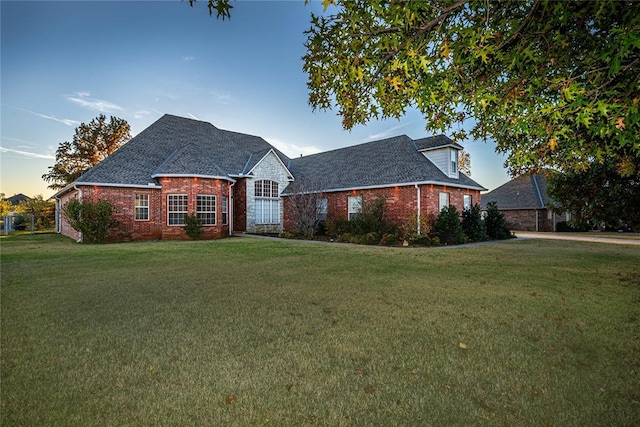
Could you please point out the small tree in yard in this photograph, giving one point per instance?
(93, 219)
(496, 223)
(448, 226)
(472, 224)
(192, 226)
(302, 206)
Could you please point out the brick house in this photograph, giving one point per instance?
(240, 183)
(525, 204)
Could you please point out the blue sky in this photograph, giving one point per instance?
(64, 63)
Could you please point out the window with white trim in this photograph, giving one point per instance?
(267, 202)
(321, 209)
(225, 210)
(142, 207)
(176, 208)
(355, 206)
(466, 201)
(443, 200)
(454, 162)
(206, 208)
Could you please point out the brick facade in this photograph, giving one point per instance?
(192, 187)
(156, 227)
(239, 201)
(401, 202)
(532, 219)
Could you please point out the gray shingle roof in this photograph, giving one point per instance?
(524, 192)
(381, 163)
(180, 146)
(176, 145)
(435, 142)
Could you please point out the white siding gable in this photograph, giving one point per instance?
(441, 157)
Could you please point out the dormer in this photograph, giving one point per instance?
(442, 152)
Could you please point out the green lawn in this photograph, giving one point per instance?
(252, 332)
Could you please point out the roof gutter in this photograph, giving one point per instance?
(404, 184)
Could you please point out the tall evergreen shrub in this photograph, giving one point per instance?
(448, 226)
(496, 223)
(472, 224)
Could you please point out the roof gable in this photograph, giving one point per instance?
(178, 146)
(391, 161)
(524, 192)
(262, 157)
(435, 143)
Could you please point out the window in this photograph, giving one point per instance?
(466, 203)
(444, 200)
(454, 162)
(206, 209)
(225, 207)
(142, 207)
(177, 208)
(321, 209)
(355, 207)
(267, 202)
(266, 188)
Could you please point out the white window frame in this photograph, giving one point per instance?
(225, 210)
(443, 200)
(354, 207)
(206, 208)
(454, 162)
(267, 202)
(179, 201)
(141, 210)
(467, 201)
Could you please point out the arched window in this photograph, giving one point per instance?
(267, 202)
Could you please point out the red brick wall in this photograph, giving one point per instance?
(156, 227)
(401, 202)
(525, 220)
(124, 200)
(192, 187)
(240, 206)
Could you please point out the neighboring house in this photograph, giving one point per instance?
(240, 183)
(17, 198)
(525, 204)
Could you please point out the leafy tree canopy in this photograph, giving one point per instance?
(553, 83)
(598, 195)
(91, 144)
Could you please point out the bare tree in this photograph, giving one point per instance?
(306, 205)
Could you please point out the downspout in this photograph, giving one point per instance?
(419, 207)
(230, 208)
(58, 216)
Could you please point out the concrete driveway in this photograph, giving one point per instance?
(616, 239)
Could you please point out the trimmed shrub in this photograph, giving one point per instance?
(192, 226)
(472, 224)
(388, 239)
(93, 219)
(448, 226)
(572, 227)
(420, 239)
(367, 228)
(496, 223)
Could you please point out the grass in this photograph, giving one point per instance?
(252, 332)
